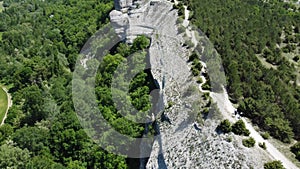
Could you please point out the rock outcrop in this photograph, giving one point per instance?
(120, 22)
(121, 4)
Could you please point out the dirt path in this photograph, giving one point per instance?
(227, 109)
(9, 104)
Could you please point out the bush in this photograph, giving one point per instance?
(199, 80)
(197, 64)
(189, 43)
(296, 150)
(239, 128)
(181, 29)
(224, 126)
(179, 20)
(250, 142)
(181, 10)
(265, 135)
(273, 165)
(229, 139)
(140, 43)
(193, 56)
(195, 71)
(206, 85)
(263, 145)
(170, 104)
(296, 58)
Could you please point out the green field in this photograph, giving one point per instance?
(3, 103)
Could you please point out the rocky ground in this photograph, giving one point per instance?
(186, 141)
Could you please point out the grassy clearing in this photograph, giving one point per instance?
(3, 103)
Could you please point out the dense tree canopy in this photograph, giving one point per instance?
(138, 87)
(250, 35)
(40, 42)
(39, 45)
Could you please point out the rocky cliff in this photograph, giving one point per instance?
(185, 140)
(121, 4)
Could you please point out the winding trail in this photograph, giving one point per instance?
(227, 109)
(9, 104)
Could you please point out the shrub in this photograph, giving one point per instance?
(193, 56)
(229, 139)
(273, 165)
(224, 126)
(181, 10)
(296, 58)
(296, 150)
(196, 68)
(181, 29)
(196, 63)
(189, 43)
(265, 135)
(179, 20)
(206, 85)
(195, 71)
(263, 145)
(199, 80)
(205, 112)
(140, 43)
(250, 142)
(170, 104)
(239, 128)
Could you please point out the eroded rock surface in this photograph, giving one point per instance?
(185, 141)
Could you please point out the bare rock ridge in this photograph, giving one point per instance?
(182, 142)
(121, 4)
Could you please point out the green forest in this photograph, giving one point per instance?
(244, 31)
(40, 42)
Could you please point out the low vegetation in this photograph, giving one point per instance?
(224, 126)
(194, 58)
(265, 135)
(270, 97)
(180, 8)
(262, 145)
(273, 165)
(239, 128)
(250, 142)
(1, 6)
(296, 150)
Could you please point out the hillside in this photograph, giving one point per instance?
(150, 84)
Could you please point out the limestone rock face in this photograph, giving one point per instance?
(120, 22)
(142, 21)
(120, 4)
